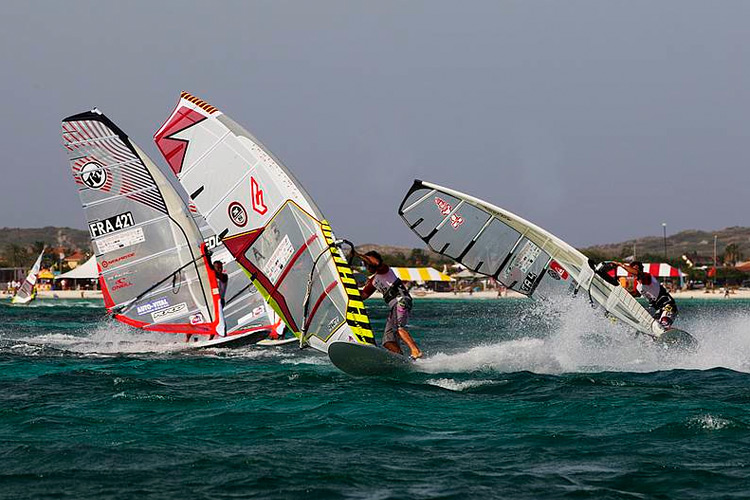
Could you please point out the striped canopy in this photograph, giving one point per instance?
(659, 270)
(420, 274)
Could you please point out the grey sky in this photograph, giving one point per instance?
(597, 120)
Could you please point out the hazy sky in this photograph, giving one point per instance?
(598, 120)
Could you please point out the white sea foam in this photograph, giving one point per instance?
(570, 336)
(458, 385)
(710, 422)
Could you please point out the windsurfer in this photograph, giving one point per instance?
(222, 278)
(397, 297)
(658, 297)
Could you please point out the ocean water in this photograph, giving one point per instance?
(515, 399)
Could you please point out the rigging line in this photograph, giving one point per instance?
(122, 309)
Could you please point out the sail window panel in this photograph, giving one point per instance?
(491, 248)
(525, 267)
(554, 285)
(430, 212)
(285, 253)
(459, 230)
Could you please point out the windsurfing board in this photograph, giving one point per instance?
(277, 342)
(363, 360)
(231, 341)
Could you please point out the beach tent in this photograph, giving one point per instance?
(87, 271)
(420, 274)
(466, 274)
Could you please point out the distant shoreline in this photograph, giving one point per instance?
(483, 295)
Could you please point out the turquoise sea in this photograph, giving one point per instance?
(516, 399)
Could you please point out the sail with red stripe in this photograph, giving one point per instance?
(267, 221)
(153, 267)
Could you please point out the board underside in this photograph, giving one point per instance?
(678, 339)
(364, 360)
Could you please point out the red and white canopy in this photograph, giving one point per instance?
(659, 270)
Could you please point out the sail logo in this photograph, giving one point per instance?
(444, 206)
(93, 175)
(107, 263)
(170, 312)
(557, 271)
(152, 306)
(121, 283)
(237, 214)
(256, 193)
(445, 209)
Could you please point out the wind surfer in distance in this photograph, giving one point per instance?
(658, 297)
(397, 297)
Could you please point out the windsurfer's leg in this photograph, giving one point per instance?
(393, 347)
(409, 341)
(402, 311)
(390, 338)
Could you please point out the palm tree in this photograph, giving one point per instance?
(732, 254)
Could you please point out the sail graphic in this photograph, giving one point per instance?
(153, 269)
(522, 256)
(267, 221)
(244, 307)
(26, 293)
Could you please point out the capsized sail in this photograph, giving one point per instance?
(520, 255)
(244, 307)
(27, 291)
(153, 268)
(267, 221)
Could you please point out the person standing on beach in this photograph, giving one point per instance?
(395, 294)
(654, 292)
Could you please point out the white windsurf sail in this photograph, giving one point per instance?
(27, 291)
(522, 256)
(153, 268)
(267, 221)
(244, 307)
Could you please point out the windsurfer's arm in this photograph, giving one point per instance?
(367, 290)
(629, 269)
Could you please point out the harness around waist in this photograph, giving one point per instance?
(397, 289)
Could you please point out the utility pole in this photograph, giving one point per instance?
(664, 227)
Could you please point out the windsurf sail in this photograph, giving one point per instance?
(27, 291)
(244, 307)
(153, 268)
(522, 256)
(267, 221)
